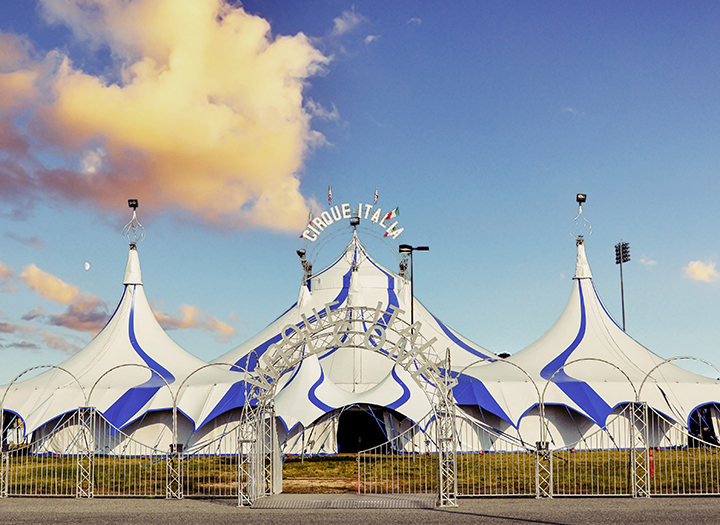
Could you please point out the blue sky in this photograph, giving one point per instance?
(479, 120)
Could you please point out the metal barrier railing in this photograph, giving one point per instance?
(407, 464)
(680, 463)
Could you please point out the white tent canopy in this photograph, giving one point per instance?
(345, 376)
(592, 364)
(130, 368)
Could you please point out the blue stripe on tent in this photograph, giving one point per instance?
(580, 392)
(603, 307)
(455, 339)
(472, 391)
(314, 399)
(249, 361)
(405, 395)
(120, 412)
(234, 398)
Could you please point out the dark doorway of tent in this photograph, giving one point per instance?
(360, 428)
(702, 427)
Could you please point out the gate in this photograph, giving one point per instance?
(371, 329)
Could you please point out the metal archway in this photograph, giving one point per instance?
(330, 329)
(4, 458)
(639, 461)
(173, 462)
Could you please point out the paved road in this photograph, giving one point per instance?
(675, 511)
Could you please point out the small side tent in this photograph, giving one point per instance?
(585, 368)
(129, 373)
(349, 391)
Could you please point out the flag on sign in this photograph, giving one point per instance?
(387, 232)
(310, 218)
(393, 214)
(329, 195)
(376, 196)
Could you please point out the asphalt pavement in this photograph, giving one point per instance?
(675, 511)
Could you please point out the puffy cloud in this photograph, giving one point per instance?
(202, 111)
(415, 21)
(371, 38)
(32, 242)
(22, 345)
(48, 286)
(7, 279)
(85, 314)
(33, 314)
(58, 343)
(700, 271)
(346, 22)
(192, 317)
(646, 261)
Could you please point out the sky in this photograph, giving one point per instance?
(480, 121)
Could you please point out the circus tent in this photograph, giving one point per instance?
(584, 368)
(130, 372)
(331, 381)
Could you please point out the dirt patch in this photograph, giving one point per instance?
(319, 486)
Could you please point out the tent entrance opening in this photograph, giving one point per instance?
(360, 429)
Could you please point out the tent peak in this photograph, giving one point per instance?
(132, 270)
(582, 268)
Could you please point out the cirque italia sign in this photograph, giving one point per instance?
(316, 225)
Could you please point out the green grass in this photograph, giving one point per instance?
(688, 471)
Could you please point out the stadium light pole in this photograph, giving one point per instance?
(622, 255)
(407, 249)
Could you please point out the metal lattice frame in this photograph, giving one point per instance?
(173, 467)
(543, 470)
(344, 327)
(640, 463)
(85, 452)
(447, 443)
(4, 469)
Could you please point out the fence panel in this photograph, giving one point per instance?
(599, 464)
(491, 464)
(680, 463)
(125, 467)
(210, 470)
(45, 466)
(407, 464)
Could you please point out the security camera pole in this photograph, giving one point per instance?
(622, 255)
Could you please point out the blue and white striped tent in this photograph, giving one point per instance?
(592, 366)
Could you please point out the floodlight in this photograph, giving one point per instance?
(354, 221)
(405, 248)
(581, 197)
(133, 203)
(301, 253)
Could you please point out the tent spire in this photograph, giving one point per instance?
(134, 232)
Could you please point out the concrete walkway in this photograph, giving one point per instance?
(347, 501)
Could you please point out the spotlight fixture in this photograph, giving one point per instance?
(133, 203)
(581, 197)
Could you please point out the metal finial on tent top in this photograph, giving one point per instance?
(581, 227)
(133, 232)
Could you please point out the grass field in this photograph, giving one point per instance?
(606, 472)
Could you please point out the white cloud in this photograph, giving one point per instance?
(646, 261)
(372, 38)
(573, 111)
(700, 271)
(414, 21)
(346, 22)
(207, 116)
(317, 110)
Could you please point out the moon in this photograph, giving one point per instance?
(87, 266)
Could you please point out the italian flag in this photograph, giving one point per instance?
(393, 214)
